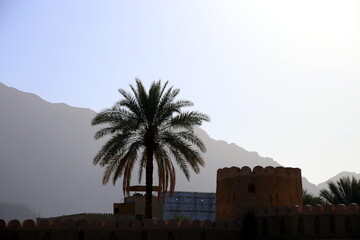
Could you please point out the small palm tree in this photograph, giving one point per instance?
(148, 127)
(344, 191)
(310, 199)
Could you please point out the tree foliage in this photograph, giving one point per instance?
(344, 191)
(147, 127)
(310, 199)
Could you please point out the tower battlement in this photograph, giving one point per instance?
(307, 210)
(232, 172)
(241, 190)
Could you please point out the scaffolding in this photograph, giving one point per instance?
(193, 205)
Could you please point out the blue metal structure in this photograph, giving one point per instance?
(194, 205)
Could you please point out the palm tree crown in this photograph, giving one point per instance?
(310, 199)
(344, 191)
(148, 127)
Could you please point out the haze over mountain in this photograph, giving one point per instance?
(46, 153)
(337, 177)
(9, 211)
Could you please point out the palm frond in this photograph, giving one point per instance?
(344, 191)
(148, 126)
(187, 120)
(115, 146)
(310, 199)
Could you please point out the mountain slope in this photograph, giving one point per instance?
(337, 177)
(46, 153)
(9, 211)
(45, 156)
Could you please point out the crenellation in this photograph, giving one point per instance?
(272, 197)
(233, 172)
(269, 170)
(310, 223)
(318, 209)
(353, 208)
(106, 224)
(307, 210)
(269, 198)
(240, 191)
(295, 210)
(281, 171)
(258, 170)
(276, 222)
(329, 208)
(244, 171)
(28, 224)
(108, 229)
(13, 224)
(339, 209)
(2, 224)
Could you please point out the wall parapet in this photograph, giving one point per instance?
(308, 222)
(101, 228)
(42, 224)
(232, 172)
(339, 209)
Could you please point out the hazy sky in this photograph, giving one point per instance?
(278, 77)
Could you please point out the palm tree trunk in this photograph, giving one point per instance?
(149, 183)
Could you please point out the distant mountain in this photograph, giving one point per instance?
(9, 211)
(337, 177)
(46, 153)
(310, 187)
(315, 189)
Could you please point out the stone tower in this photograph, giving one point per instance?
(240, 190)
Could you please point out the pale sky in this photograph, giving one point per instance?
(281, 78)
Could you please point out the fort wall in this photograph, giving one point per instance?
(308, 222)
(263, 203)
(296, 222)
(240, 190)
(111, 230)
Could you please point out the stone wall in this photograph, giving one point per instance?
(111, 230)
(240, 190)
(308, 222)
(92, 216)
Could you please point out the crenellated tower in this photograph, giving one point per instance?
(239, 190)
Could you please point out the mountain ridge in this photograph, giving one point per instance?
(46, 152)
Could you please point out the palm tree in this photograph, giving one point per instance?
(310, 199)
(344, 191)
(147, 127)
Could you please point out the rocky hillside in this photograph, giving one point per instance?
(46, 153)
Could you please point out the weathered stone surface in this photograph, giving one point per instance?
(239, 190)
